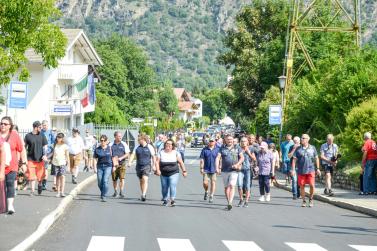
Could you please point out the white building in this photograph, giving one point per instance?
(52, 94)
(188, 106)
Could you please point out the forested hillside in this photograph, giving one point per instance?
(182, 37)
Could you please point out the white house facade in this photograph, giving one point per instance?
(52, 93)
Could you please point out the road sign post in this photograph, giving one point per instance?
(274, 115)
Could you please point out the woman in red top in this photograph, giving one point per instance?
(11, 136)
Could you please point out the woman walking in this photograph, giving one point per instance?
(60, 163)
(167, 168)
(265, 161)
(102, 154)
(11, 137)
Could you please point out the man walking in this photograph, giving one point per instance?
(89, 143)
(244, 176)
(295, 186)
(230, 159)
(36, 148)
(307, 161)
(369, 164)
(329, 152)
(208, 168)
(50, 136)
(145, 162)
(76, 152)
(120, 152)
(284, 151)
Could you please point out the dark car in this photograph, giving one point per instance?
(197, 139)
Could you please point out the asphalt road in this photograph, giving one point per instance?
(194, 224)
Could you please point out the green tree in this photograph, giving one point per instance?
(216, 103)
(168, 101)
(24, 25)
(107, 112)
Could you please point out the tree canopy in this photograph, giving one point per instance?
(24, 25)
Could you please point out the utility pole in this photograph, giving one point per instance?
(301, 13)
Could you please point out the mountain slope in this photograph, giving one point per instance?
(182, 37)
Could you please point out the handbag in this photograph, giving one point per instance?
(3, 200)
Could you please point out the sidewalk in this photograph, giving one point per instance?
(30, 211)
(343, 198)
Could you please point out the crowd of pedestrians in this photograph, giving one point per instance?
(238, 161)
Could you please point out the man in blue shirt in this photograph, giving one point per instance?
(50, 136)
(120, 152)
(208, 167)
(284, 151)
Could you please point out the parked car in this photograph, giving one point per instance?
(197, 139)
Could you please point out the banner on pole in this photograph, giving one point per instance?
(274, 115)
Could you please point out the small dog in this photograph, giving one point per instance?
(21, 180)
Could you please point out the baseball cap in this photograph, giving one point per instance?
(212, 139)
(263, 145)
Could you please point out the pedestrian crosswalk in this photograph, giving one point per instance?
(116, 243)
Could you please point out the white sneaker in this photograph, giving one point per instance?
(262, 199)
(58, 195)
(268, 197)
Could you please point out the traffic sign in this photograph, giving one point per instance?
(18, 95)
(155, 122)
(274, 115)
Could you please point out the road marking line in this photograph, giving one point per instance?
(175, 244)
(363, 248)
(305, 246)
(112, 243)
(242, 246)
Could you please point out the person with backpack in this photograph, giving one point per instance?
(60, 162)
(145, 162)
(11, 140)
(369, 165)
(103, 155)
(329, 153)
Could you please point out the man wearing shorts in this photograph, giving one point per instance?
(306, 159)
(208, 168)
(329, 152)
(89, 142)
(120, 152)
(76, 148)
(231, 158)
(145, 161)
(36, 147)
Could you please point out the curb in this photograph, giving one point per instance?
(341, 204)
(47, 221)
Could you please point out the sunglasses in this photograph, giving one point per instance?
(103, 140)
(304, 138)
(5, 124)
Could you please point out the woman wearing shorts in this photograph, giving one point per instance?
(60, 163)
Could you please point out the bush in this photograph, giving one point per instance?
(360, 119)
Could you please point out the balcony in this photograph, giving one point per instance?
(66, 72)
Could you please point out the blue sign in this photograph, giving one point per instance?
(18, 95)
(274, 115)
(62, 108)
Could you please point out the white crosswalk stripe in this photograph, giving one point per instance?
(305, 246)
(100, 243)
(242, 246)
(167, 244)
(364, 248)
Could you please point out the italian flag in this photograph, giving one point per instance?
(82, 89)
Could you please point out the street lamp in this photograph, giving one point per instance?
(282, 81)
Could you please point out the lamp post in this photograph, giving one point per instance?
(282, 81)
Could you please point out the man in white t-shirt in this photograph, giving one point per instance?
(88, 157)
(76, 151)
